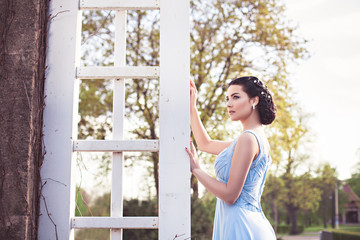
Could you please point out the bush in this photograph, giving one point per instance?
(300, 229)
(287, 228)
(339, 235)
(283, 229)
(345, 235)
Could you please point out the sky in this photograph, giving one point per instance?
(328, 84)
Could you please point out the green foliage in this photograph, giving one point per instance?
(326, 182)
(270, 199)
(350, 228)
(82, 201)
(285, 229)
(134, 207)
(100, 207)
(299, 192)
(95, 108)
(345, 235)
(354, 181)
(303, 196)
(202, 216)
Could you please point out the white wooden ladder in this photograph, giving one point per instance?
(58, 204)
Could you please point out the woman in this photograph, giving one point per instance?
(241, 165)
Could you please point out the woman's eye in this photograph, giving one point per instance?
(236, 97)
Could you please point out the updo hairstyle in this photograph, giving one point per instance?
(254, 87)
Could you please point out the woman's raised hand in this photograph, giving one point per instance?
(193, 94)
(194, 160)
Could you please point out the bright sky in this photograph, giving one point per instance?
(328, 83)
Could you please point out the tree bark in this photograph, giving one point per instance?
(23, 27)
(293, 221)
(275, 212)
(324, 214)
(155, 158)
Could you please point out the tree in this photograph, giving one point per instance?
(300, 194)
(23, 31)
(354, 180)
(326, 182)
(297, 191)
(228, 39)
(272, 194)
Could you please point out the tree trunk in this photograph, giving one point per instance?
(324, 208)
(275, 212)
(155, 157)
(293, 217)
(22, 72)
(194, 186)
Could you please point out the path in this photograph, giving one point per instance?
(307, 236)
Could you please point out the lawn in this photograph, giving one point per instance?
(350, 228)
(314, 230)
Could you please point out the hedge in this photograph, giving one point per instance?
(339, 235)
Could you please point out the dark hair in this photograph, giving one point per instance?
(254, 87)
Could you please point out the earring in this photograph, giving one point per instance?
(254, 106)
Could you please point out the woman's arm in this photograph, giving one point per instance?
(203, 141)
(244, 153)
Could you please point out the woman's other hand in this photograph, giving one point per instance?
(193, 94)
(194, 160)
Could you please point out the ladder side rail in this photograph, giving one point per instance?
(174, 166)
(57, 202)
(118, 122)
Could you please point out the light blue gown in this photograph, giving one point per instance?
(244, 220)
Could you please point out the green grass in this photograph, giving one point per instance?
(350, 228)
(314, 230)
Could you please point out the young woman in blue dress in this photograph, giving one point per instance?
(241, 165)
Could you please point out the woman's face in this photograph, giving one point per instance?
(238, 103)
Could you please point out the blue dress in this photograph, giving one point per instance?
(244, 220)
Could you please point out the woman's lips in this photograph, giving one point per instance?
(231, 112)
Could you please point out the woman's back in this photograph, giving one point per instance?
(244, 219)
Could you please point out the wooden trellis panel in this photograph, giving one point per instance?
(60, 117)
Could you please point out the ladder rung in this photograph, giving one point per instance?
(117, 72)
(116, 146)
(115, 222)
(119, 4)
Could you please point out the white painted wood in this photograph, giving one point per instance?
(118, 122)
(174, 167)
(119, 4)
(116, 146)
(57, 205)
(113, 222)
(60, 120)
(117, 72)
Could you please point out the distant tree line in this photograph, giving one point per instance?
(313, 206)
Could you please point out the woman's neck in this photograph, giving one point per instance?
(252, 122)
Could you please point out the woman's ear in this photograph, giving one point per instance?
(254, 100)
